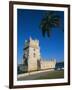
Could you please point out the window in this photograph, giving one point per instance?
(34, 54)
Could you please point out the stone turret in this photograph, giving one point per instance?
(32, 59)
(31, 55)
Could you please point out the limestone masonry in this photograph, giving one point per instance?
(32, 59)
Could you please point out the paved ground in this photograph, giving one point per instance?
(43, 75)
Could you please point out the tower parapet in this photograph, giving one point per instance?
(48, 64)
(32, 58)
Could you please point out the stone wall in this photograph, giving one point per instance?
(34, 55)
(32, 58)
(48, 64)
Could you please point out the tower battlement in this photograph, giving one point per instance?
(31, 54)
(31, 43)
(32, 58)
(48, 60)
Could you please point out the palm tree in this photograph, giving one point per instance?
(49, 21)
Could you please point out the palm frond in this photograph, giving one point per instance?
(49, 32)
(43, 32)
(49, 21)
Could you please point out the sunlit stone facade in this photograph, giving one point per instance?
(32, 58)
(48, 64)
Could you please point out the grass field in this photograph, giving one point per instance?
(53, 75)
(44, 75)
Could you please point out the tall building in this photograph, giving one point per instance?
(32, 60)
(31, 57)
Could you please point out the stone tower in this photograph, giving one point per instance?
(31, 57)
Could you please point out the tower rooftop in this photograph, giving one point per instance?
(31, 43)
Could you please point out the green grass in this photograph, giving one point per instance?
(53, 75)
(57, 74)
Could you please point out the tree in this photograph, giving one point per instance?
(49, 21)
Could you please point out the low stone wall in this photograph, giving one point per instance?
(32, 73)
(47, 64)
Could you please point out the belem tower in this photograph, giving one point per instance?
(32, 60)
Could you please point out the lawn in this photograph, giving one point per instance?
(53, 75)
(44, 75)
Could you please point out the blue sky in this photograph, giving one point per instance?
(28, 22)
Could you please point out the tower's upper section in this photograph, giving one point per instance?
(34, 43)
(31, 43)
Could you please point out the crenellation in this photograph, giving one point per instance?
(32, 57)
